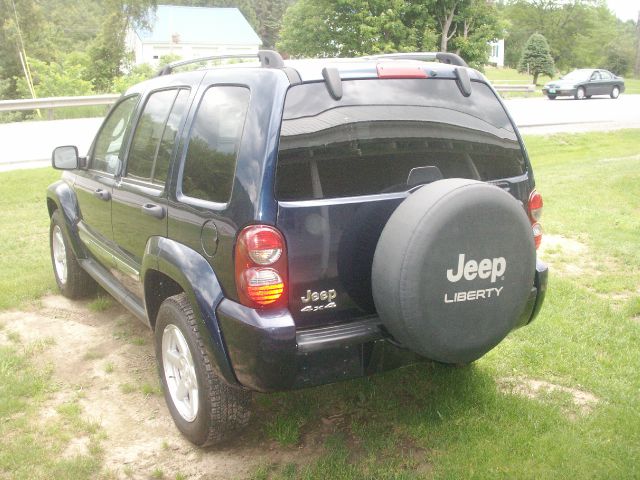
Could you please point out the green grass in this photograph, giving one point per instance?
(632, 85)
(428, 420)
(511, 76)
(24, 236)
(33, 446)
(101, 303)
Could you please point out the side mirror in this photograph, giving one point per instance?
(65, 158)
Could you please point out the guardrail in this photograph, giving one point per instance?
(57, 102)
(515, 88)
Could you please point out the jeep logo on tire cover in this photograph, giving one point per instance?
(485, 268)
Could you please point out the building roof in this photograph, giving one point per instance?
(199, 25)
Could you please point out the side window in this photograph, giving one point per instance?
(109, 141)
(167, 143)
(595, 76)
(154, 135)
(214, 143)
(605, 75)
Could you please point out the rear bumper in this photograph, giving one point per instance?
(268, 354)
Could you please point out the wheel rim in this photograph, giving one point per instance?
(580, 93)
(180, 373)
(615, 92)
(59, 254)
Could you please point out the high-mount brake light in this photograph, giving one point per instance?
(535, 212)
(400, 71)
(261, 267)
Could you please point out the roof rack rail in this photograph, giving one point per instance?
(444, 57)
(268, 59)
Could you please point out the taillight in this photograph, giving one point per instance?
(535, 212)
(261, 267)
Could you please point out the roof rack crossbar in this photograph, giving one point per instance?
(444, 57)
(268, 59)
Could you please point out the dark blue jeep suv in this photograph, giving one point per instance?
(287, 224)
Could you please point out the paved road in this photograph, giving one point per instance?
(544, 116)
(29, 144)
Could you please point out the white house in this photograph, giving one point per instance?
(192, 32)
(497, 53)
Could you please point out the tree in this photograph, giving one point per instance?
(357, 27)
(536, 58)
(324, 28)
(108, 51)
(478, 24)
(445, 12)
(636, 69)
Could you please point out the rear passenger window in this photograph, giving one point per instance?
(214, 143)
(153, 139)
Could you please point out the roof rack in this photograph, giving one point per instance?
(444, 57)
(268, 59)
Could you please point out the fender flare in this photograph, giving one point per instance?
(194, 275)
(65, 200)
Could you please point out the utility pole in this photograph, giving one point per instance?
(636, 70)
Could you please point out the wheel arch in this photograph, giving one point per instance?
(60, 196)
(178, 268)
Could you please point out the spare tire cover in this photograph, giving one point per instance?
(453, 269)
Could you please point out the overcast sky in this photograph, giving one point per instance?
(625, 9)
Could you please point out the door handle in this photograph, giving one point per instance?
(154, 210)
(102, 194)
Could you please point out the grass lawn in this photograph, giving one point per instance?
(557, 399)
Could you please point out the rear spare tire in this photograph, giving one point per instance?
(453, 269)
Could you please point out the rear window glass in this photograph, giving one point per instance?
(369, 141)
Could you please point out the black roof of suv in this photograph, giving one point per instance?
(286, 224)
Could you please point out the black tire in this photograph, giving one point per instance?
(580, 94)
(453, 270)
(552, 97)
(219, 409)
(615, 92)
(73, 282)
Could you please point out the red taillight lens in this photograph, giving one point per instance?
(257, 247)
(535, 212)
(264, 245)
(535, 205)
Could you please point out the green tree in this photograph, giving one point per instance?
(55, 79)
(324, 28)
(580, 32)
(108, 51)
(536, 59)
(269, 14)
(478, 23)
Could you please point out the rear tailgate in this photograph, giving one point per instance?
(344, 165)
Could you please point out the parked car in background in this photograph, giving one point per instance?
(584, 83)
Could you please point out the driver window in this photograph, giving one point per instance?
(595, 76)
(106, 153)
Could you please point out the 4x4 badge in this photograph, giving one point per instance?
(323, 295)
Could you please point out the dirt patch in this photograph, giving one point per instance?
(566, 256)
(581, 402)
(105, 361)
